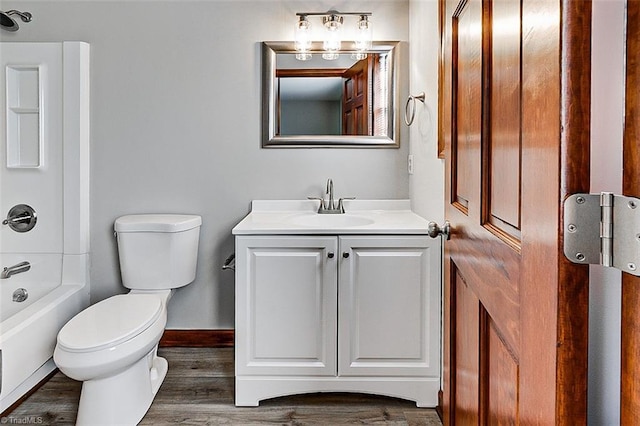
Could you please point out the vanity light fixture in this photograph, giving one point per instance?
(332, 39)
(332, 21)
(302, 39)
(363, 37)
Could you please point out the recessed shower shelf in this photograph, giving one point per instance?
(24, 116)
(19, 110)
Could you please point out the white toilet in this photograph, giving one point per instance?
(111, 346)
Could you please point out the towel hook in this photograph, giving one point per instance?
(410, 107)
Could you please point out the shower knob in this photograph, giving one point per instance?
(21, 218)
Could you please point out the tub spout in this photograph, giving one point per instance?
(15, 269)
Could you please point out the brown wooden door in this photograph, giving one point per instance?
(355, 99)
(515, 124)
(630, 325)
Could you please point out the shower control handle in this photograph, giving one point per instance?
(25, 217)
(21, 218)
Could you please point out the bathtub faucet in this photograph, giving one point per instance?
(15, 269)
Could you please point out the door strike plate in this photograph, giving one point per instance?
(603, 229)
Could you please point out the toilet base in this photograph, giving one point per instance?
(124, 398)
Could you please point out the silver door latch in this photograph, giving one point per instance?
(603, 229)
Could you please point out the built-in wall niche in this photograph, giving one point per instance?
(24, 117)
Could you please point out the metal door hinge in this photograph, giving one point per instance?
(603, 229)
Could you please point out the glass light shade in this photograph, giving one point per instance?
(358, 56)
(302, 35)
(330, 56)
(303, 56)
(332, 44)
(332, 41)
(363, 36)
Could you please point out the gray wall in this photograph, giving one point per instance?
(175, 125)
(327, 117)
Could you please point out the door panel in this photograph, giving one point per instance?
(467, 78)
(503, 144)
(502, 378)
(516, 102)
(356, 98)
(467, 353)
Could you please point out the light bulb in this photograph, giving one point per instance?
(330, 56)
(332, 42)
(303, 56)
(302, 35)
(363, 36)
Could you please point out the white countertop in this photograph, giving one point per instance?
(300, 217)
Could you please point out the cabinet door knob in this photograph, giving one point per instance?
(345, 254)
(330, 255)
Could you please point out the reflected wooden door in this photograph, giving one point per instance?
(355, 98)
(515, 124)
(630, 325)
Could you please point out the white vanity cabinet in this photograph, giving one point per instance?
(383, 296)
(286, 305)
(337, 313)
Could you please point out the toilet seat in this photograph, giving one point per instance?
(110, 322)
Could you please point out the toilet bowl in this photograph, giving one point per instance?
(112, 345)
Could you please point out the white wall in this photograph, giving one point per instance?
(426, 185)
(175, 122)
(607, 112)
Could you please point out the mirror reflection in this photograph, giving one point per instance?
(318, 102)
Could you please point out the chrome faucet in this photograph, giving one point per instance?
(15, 269)
(328, 204)
(329, 193)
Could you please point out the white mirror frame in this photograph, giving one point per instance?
(269, 104)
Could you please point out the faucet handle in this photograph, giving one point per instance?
(322, 207)
(340, 205)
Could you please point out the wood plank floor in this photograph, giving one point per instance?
(198, 390)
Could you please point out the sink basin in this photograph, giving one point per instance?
(330, 220)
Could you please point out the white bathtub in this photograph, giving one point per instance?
(28, 329)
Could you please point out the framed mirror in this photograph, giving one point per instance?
(347, 101)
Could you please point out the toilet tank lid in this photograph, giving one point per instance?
(157, 222)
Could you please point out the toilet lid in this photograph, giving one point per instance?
(110, 322)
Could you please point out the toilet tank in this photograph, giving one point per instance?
(157, 251)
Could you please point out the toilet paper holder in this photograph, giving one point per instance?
(230, 262)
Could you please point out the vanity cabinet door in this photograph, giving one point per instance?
(388, 306)
(286, 299)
